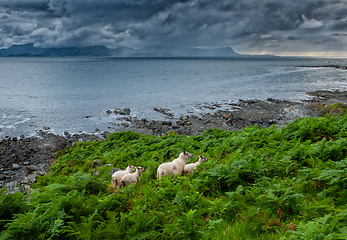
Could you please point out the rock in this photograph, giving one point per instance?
(31, 178)
(60, 143)
(13, 155)
(32, 168)
(108, 165)
(15, 166)
(124, 111)
(180, 123)
(230, 121)
(96, 172)
(164, 111)
(114, 170)
(96, 163)
(11, 187)
(44, 166)
(24, 187)
(227, 116)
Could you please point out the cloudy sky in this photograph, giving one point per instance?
(280, 27)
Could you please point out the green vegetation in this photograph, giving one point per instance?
(260, 183)
(335, 108)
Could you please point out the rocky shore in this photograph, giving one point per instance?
(22, 160)
(327, 66)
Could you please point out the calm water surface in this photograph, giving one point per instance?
(73, 94)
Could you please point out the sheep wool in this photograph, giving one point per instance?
(175, 167)
(130, 178)
(117, 176)
(189, 168)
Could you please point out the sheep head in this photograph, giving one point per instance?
(187, 154)
(130, 168)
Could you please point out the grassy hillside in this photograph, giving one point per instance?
(260, 183)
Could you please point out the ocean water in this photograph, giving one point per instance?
(74, 94)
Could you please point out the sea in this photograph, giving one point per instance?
(83, 95)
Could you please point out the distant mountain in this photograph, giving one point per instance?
(17, 50)
(102, 51)
(169, 51)
(24, 55)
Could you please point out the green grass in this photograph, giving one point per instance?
(260, 183)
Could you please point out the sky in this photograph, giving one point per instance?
(279, 27)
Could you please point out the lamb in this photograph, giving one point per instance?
(117, 176)
(130, 178)
(189, 168)
(175, 167)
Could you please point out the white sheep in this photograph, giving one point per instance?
(175, 167)
(130, 178)
(189, 168)
(117, 176)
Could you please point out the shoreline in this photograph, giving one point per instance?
(22, 160)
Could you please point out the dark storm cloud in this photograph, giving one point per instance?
(247, 25)
(293, 38)
(22, 5)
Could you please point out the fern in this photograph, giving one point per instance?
(259, 183)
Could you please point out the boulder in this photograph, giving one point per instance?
(96, 163)
(15, 166)
(31, 178)
(32, 168)
(114, 170)
(24, 187)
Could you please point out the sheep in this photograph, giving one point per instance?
(175, 167)
(117, 176)
(130, 178)
(189, 168)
